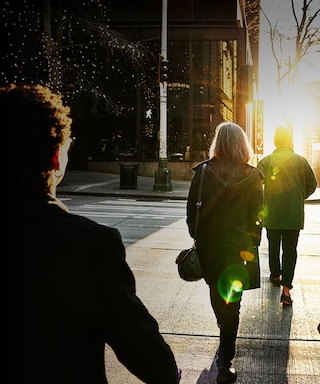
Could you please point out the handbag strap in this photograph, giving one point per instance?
(199, 202)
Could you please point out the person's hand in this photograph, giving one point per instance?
(179, 374)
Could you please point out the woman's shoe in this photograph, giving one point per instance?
(226, 375)
(286, 299)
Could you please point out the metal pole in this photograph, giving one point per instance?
(163, 85)
(163, 174)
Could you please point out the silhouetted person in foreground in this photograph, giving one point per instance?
(70, 290)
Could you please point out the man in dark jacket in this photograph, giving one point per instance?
(70, 289)
(288, 181)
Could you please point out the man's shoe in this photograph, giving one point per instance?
(286, 299)
(276, 281)
(226, 375)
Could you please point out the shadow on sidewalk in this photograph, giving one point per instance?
(209, 376)
(273, 349)
(278, 320)
(264, 356)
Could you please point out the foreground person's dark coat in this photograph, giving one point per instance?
(71, 292)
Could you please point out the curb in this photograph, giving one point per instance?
(124, 194)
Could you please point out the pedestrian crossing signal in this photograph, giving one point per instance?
(151, 114)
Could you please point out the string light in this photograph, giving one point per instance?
(74, 55)
(84, 56)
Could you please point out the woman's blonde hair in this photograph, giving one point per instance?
(230, 142)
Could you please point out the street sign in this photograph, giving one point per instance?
(259, 127)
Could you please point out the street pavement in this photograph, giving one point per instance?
(275, 344)
(108, 184)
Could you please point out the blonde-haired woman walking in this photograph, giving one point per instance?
(229, 232)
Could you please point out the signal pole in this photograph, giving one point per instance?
(163, 174)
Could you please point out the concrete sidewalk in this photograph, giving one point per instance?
(275, 344)
(107, 184)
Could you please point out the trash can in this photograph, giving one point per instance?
(128, 176)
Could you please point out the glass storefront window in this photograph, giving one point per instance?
(201, 94)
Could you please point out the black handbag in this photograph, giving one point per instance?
(189, 267)
(252, 268)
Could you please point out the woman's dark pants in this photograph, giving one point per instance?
(228, 320)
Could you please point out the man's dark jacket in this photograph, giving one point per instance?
(288, 180)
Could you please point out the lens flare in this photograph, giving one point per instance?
(237, 286)
(263, 213)
(232, 281)
(246, 255)
(275, 171)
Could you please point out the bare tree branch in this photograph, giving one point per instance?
(307, 36)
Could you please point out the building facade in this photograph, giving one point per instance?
(211, 77)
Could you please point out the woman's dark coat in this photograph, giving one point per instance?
(230, 216)
(71, 291)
